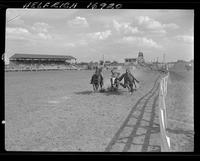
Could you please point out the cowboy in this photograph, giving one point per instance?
(97, 79)
(129, 79)
(99, 71)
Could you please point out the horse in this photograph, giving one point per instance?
(129, 80)
(114, 80)
(97, 80)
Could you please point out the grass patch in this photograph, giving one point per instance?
(179, 103)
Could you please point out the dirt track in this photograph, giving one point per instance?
(58, 112)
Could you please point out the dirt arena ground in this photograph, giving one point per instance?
(57, 111)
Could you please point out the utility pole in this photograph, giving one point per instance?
(163, 58)
(157, 62)
(164, 63)
(103, 57)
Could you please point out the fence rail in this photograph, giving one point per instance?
(165, 140)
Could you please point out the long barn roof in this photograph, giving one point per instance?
(38, 56)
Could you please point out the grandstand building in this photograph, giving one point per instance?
(33, 62)
(33, 59)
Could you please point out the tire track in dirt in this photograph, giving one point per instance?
(132, 136)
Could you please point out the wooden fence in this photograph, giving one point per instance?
(165, 140)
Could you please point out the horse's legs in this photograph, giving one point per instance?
(117, 85)
(131, 88)
(123, 85)
(95, 87)
(135, 84)
(101, 84)
(112, 81)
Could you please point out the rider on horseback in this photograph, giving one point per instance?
(129, 79)
(97, 79)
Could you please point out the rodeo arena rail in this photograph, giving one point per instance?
(165, 140)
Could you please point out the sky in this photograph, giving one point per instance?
(90, 35)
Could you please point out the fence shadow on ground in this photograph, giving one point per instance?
(136, 129)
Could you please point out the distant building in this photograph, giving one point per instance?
(181, 61)
(130, 60)
(107, 61)
(135, 61)
(116, 64)
(29, 59)
(170, 64)
(182, 65)
(92, 65)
